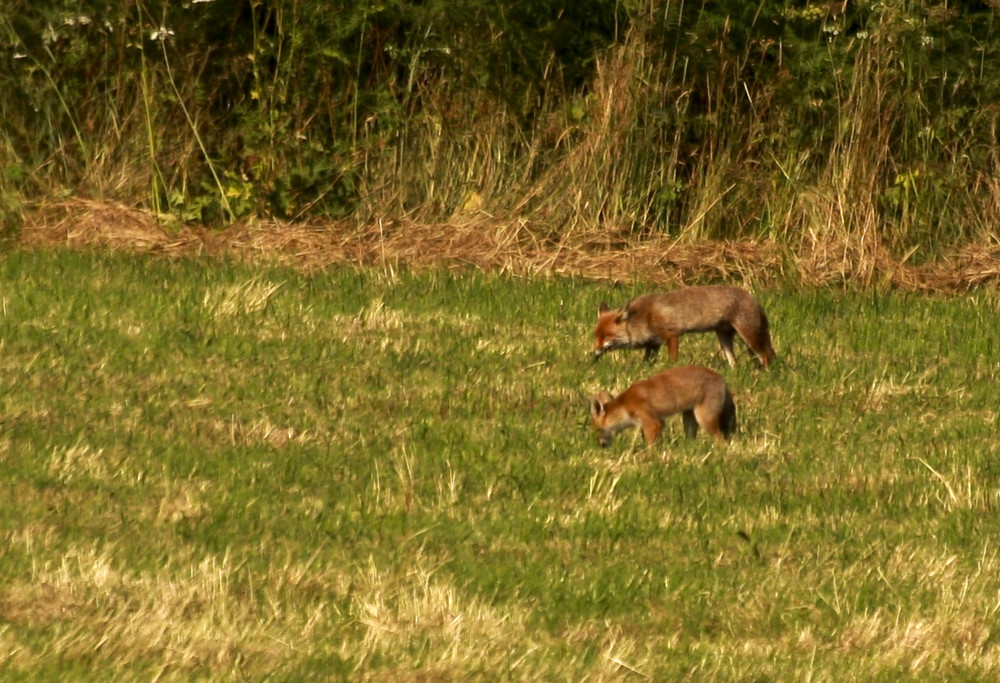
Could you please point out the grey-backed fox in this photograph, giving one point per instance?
(652, 320)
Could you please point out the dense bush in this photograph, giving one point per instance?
(726, 119)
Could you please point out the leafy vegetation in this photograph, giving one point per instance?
(213, 470)
(863, 125)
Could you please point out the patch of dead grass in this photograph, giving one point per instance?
(420, 622)
(241, 299)
(187, 618)
(515, 246)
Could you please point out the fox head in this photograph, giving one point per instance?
(602, 421)
(611, 331)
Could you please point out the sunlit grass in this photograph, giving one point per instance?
(216, 471)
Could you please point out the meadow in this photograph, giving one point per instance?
(217, 471)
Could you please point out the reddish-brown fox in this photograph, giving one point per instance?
(652, 320)
(698, 394)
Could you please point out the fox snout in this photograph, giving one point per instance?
(602, 346)
(604, 435)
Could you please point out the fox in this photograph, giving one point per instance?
(700, 395)
(652, 320)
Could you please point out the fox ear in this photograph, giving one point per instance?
(622, 315)
(598, 404)
(602, 309)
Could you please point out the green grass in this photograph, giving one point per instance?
(214, 471)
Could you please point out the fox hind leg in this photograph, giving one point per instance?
(690, 424)
(728, 417)
(710, 417)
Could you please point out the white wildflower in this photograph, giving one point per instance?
(162, 33)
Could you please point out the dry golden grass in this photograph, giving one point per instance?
(405, 615)
(477, 240)
(191, 618)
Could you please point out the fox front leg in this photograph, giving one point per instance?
(652, 349)
(726, 343)
(650, 428)
(673, 342)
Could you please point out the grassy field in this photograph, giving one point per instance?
(212, 471)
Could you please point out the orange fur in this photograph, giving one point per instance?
(699, 394)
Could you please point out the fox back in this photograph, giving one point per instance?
(651, 320)
(699, 394)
